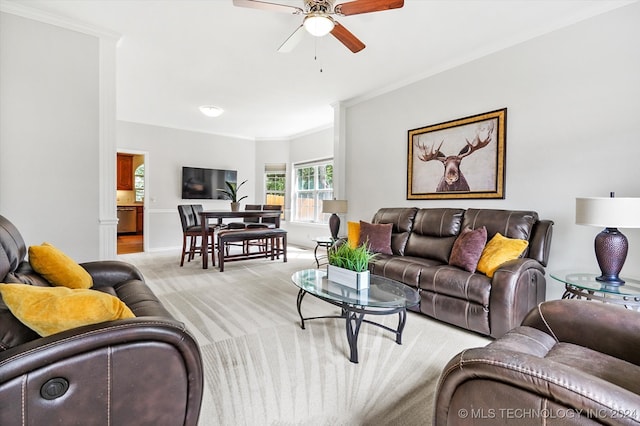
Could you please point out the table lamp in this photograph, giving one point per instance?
(611, 245)
(334, 207)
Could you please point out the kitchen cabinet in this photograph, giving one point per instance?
(125, 172)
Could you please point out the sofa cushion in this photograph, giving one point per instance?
(58, 268)
(510, 223)
(468, 247)
(377, 236)
(456, 283)
(498, 251)
(402, 221)
(50, 310)
(12, 247)
(12, 331)
(405, 269)
(139, 298)
(434, 232)
(26, 275)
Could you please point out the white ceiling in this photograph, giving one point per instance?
(176, 55)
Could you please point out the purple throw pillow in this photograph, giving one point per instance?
(467, 248)
(377, 236)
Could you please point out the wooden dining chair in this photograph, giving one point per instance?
(191, 232)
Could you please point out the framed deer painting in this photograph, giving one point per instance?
(463, 158)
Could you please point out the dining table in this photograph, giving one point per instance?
(220, 215)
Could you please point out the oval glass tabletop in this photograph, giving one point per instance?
(587, 281)
(382, 292)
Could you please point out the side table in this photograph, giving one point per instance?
(580, 285)
(324, 242)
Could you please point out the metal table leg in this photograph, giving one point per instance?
(354, 317)
(353, 323)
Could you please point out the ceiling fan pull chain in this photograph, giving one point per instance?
(315, 52)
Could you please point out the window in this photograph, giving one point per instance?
(275, 177)
(138, 183)
(313, 182)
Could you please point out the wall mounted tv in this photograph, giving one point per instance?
(198, 183)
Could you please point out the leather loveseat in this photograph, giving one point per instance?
(421, 243)
(572, 362)
(145, 370)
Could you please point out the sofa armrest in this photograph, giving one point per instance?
(135, 367)
(605, 328)
(111, 272)
(517, 287)
(540, 241)
(513, 374)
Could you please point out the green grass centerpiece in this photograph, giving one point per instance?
(349, 266)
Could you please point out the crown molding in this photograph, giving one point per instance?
(53, 19)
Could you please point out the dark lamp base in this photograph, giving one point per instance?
(611, 251)
(612, 280)
(334, 225)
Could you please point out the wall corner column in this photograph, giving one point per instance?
(339, 151)
(108, 220)
(339, 158)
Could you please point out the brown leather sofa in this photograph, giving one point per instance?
(421, 242)
(145, 370)
(572, 362)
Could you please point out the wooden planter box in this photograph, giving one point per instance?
(356, 280)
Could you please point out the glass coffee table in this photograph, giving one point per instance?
(383, 297)
(580, 285)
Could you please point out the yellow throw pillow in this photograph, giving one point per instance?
(499, 250)
(50, 310)
(58, 268)
(353, 234)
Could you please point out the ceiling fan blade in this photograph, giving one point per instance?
(347, 38)
(293, 40)
(263, 5)
(365, 6)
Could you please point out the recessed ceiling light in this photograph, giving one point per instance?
(211, 110)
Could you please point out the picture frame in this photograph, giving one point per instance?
(437, 163)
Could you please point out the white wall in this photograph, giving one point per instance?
(170, 149)
(49, 134)
(313, 146)
(573, 98)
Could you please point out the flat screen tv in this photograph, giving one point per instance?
(199, 183)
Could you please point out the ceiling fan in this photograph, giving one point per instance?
(318, 20)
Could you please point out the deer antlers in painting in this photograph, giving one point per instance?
(453, 179)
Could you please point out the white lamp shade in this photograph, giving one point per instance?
(334, 206)
(608, 212)
(318, 25)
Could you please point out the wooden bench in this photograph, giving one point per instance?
(276, 244)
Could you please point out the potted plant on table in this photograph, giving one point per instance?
(349, 266)
(232, 194)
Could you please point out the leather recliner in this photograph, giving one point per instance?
(572, 362)
(144, 371)
(422, 241)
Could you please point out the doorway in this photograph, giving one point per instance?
(130, 201)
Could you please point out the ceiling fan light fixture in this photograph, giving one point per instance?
(211, 110)
(318, 24)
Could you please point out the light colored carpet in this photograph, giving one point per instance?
(261, 368)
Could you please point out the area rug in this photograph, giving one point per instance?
(261, 368)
